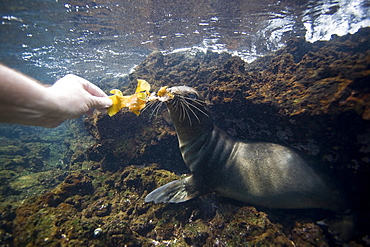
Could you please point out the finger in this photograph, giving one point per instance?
(90, 112)
(88, 86)
(100, 102)
(92, 89)
(102, 110)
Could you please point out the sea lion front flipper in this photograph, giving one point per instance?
(175, 192)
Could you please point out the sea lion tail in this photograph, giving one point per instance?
(174, 192)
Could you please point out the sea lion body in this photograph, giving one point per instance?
(262, 174)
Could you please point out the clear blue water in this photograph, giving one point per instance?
(48, 38)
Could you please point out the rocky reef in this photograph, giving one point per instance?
(112, 212)
(312, 97)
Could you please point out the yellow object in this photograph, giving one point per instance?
(142, 89)
(162, 92)
(134, 102)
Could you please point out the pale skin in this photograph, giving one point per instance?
(26, 101)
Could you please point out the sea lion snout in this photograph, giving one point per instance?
(185, 91)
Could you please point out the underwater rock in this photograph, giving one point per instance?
(74, 184)
(7, 215)
(323, 77)
(30, 163)
(18, 156)
(47, 211)
(308, 234)
(313, 97)
(25, 182)
(74, 220)
(129, 139)
(6, 178)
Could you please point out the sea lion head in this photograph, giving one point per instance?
(188, 111)
(185, 91)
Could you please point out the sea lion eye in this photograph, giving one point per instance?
(192, 96)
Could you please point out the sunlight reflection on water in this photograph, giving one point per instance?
(93, 39)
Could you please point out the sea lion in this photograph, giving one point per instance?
(262, 174)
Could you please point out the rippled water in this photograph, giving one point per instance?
(49, 38)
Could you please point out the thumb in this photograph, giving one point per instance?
(100, 102)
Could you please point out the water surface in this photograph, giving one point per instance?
(47, 39)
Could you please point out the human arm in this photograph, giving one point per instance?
(23, 100)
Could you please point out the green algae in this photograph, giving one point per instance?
(196, 233)
(25, 181)
(73, 211)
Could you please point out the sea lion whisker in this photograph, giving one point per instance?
(194, 103)
(180, 108)
(148, 105)
(177, 107)
(185, 107)
(197, 108)
(188, 106)
(156, 109)
(198, 101)
(151, 104)
(184, 111)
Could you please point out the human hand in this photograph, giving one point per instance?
(75, 96)
(24, 100)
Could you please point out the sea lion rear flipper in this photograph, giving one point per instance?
(174, 192)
